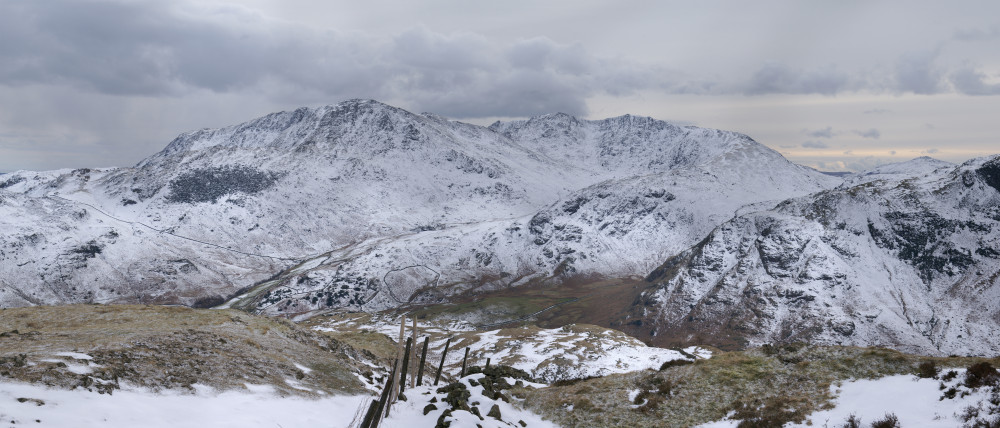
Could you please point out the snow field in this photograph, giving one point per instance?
(405, 414)
(38, 406)
(917, 402)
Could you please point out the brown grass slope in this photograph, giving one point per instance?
(770, 385)
(160, 347)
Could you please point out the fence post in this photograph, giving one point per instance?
(441, 366)
(399, 358)
(464, 359)
(383, 401)
(413, 363)
(487, 363)
(406, 365)
(423, 359)
(366, 423)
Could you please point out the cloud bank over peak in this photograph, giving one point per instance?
(173, 48)
(106, 82)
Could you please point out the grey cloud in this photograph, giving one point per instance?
(149, 48)
(421, 48)
(929, 151)
(916, 72)
(176, 48)
(870, 133)
(977, 34)
(540, 53)
(521, 93)
(815, 145)
(970, 81)
(892, 152)
(876, 111)
(156, 49)
(531, 54)
(822, 133)
(777, 78)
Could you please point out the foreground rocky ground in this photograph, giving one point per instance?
(93, 365)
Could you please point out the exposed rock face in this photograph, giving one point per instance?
(907, 257)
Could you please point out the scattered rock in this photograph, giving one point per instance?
(31, 400)
(494, 412)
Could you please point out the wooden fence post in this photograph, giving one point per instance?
(441, 366)
(399, 360)
(372, 409)
(383, 401)
(413, 371)
(406, 365)
(464, 359)
(423, 359)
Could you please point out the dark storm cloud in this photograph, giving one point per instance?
(462, 76)
(132, 48)
(174, 49)
(160, 48)
(520, 92)
(152, 49)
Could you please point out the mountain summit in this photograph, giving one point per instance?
(364, 206)
(219, 210)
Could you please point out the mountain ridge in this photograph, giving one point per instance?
(907, 261)
(364, 206)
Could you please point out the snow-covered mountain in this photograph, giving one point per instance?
(354, 195)
(906, 256)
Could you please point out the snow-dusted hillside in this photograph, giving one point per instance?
(906, 256)
(365, 191)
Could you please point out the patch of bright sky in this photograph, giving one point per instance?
(949, 127)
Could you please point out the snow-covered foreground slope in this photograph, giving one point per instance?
(39, 406)
(915, 402)
(374, 190)
(549, 355)
(907, 256)
(147, 365)
(120, 365)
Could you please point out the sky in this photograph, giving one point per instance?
(837, 85)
